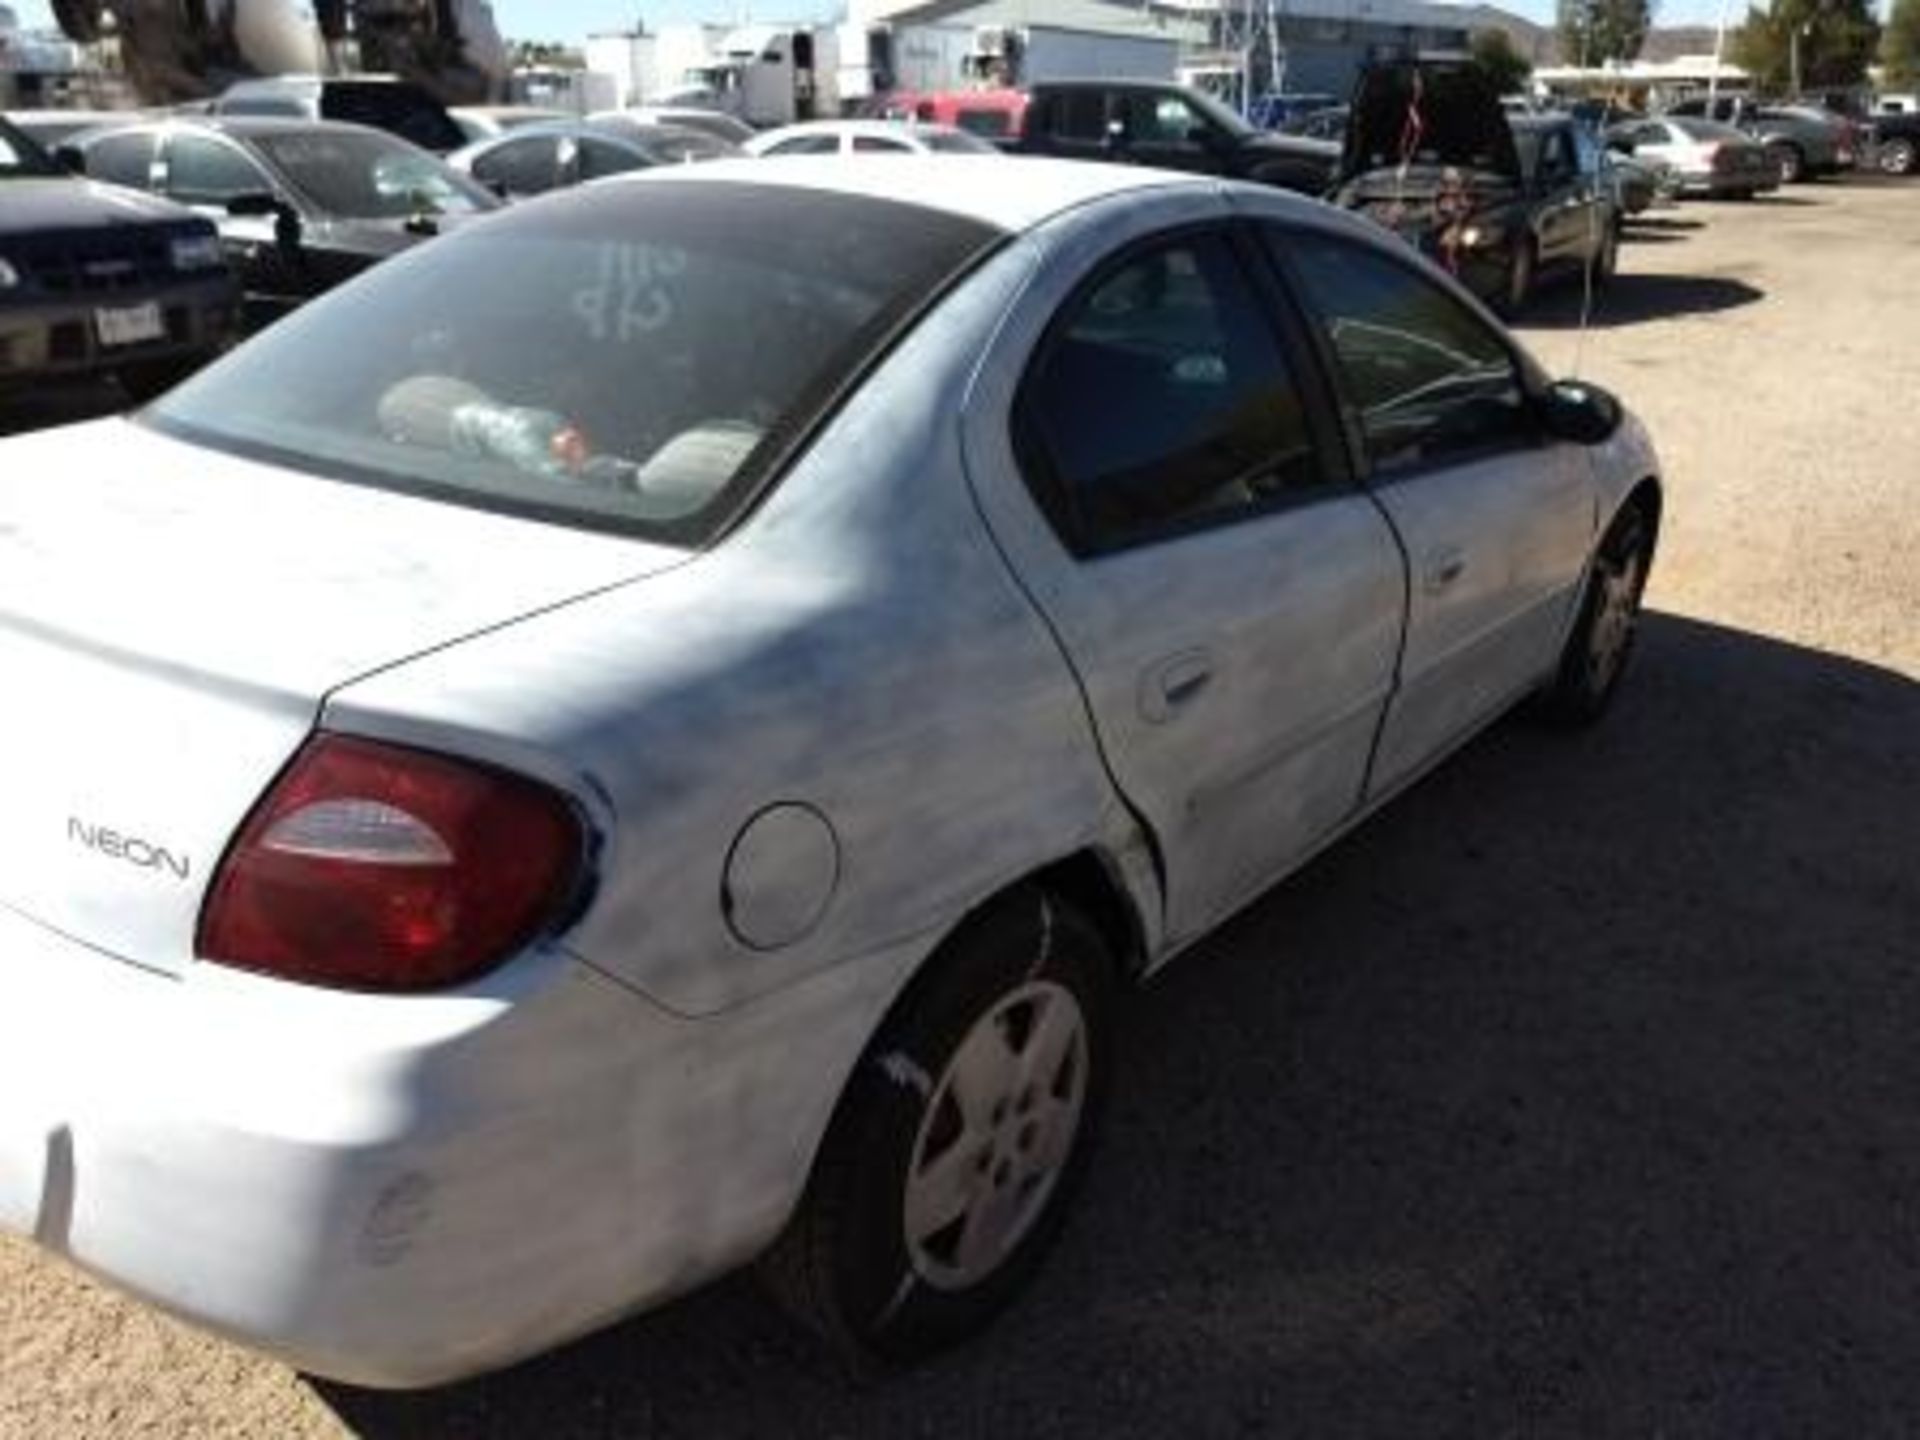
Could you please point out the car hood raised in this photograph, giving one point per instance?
(70, 203)
(1427, 114)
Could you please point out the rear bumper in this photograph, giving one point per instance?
(55, 338)
(400, 1192)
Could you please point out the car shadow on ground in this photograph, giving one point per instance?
(1572, 1096)
(1634, 298)
(1661, 224)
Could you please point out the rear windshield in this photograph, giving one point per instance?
(19, 156)
(636, 356)
(367, 176)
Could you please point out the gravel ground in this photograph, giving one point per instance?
(1572, 1097)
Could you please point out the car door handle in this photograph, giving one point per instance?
(1172, 684)
(1443, 568)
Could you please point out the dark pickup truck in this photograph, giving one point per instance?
(1150, 122)
(97, 280)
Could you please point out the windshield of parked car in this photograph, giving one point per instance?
(21, 158)
(365, 175)
(636, 357)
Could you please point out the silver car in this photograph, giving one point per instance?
(650, 732)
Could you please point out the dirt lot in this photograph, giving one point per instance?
(1576, 1096)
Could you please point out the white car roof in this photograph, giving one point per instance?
(1012, 193)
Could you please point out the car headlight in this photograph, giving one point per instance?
(1475, 236)
(196, 252)
(9, 277)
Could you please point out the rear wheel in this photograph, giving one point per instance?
(1898, 156)
(1602, 640)
(1606, 261)
(1522, 272)
(947, 1170)
(1788, 162)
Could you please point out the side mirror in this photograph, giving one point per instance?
(1577, 411)
(286, 219)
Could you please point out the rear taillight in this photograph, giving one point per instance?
(1718, 157)
(378, 867)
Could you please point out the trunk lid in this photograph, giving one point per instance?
(171, 618)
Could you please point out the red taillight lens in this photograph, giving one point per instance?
(1719, 157)
(377, 867)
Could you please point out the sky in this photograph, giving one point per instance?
(571, 20)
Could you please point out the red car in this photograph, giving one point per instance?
(990, 114)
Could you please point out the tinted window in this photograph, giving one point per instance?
(521, 167)
(123, 159)
(983, 122)
(1424, 376)
(370, 176)
(1161, 396)
(399, 109)
(805, 145)
(1079, 115)
(637, 359)
(210, 172)
(1159, 119)
(876, 145)
(598, 158)
(262, 106)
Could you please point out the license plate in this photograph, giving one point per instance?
(131, 326)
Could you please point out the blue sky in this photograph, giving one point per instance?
(572, 19)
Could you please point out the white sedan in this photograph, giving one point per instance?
(868, 137)
(524, 797)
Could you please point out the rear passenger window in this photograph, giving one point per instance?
(1161, 400)
(875, 145)
(123, 160)
(210, 172)
(1423, 376)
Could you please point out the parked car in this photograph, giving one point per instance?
(1149, 122)
(717, 123)
(489, 122)
(939, 594)
(1327, 124)
(1892, 143)
(95, 282)
(996, 114)
(1503, 202)
(1708, 158)
(538, 158)
(1274, 111)
(1641, 182)
(397, 106)
(1803, 141)
(301, 205)
(51, 128)
(867, 137)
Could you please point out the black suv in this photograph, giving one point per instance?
(1151, 122)
(94, 280)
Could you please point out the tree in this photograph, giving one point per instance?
(1593, 32)
(1505, 66)
(1807, 45)
(1900, 43)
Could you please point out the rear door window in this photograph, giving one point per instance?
(1161, 399)
(125, 159)
(879, 145)
(205, 171)
(527, 166)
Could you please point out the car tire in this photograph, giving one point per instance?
(1523, 273)
(1898, 156)
(150, 379)
(1606, 263)
(1601, 642)
(921, 1222)
(1789, 163)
